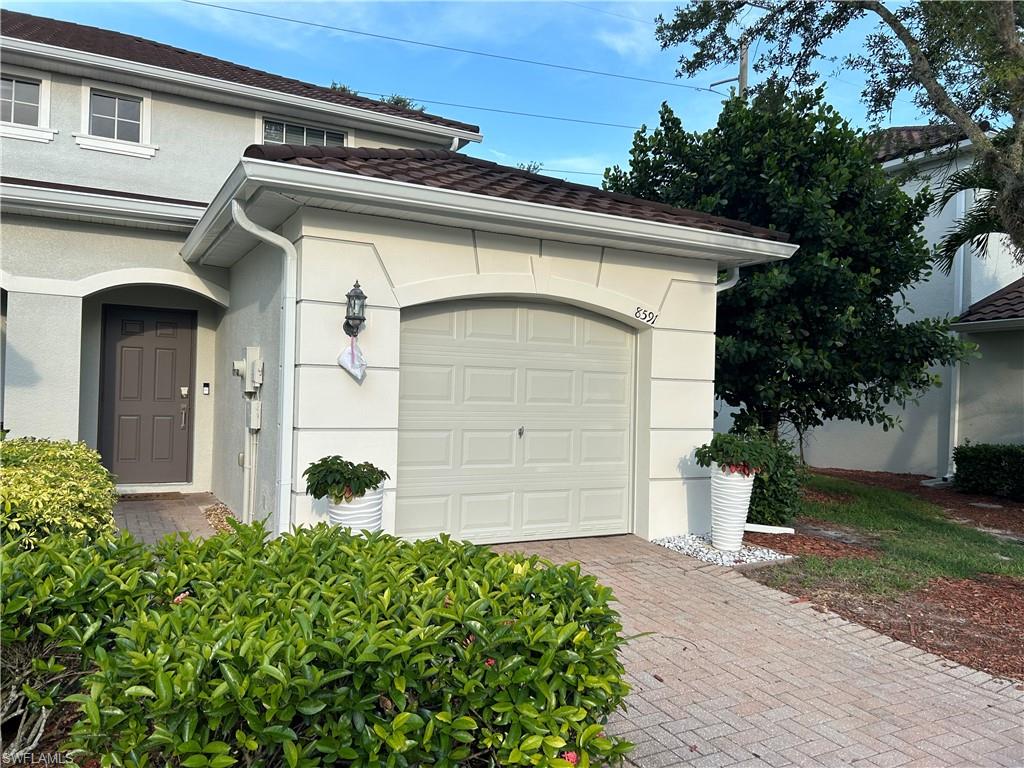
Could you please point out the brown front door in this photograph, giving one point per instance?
(146, 395)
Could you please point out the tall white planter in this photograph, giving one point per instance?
(363, 513)
(730, 501)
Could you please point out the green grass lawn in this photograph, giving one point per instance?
(914, 541)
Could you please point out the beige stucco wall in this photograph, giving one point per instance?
(199, 143)
(254, 319)
(992, 389)
(402, 264)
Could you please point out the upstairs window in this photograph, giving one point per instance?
(19, 101)
(114, 116)
(280, 132)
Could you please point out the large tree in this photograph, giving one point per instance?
(962, 63)
(822, 335)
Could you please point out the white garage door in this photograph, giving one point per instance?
(515, 422)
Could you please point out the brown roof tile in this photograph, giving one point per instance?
(1005, 304)
(454, 171)
(903, 140)
(64, 34)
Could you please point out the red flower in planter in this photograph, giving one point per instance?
(570, 757)
(490, 662)
(179, 599)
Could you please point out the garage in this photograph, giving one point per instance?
(515, 422)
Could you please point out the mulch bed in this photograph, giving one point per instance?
(822, 497)
(1008, 517)
(803, 544)
(977, 622)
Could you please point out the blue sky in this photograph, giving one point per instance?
(607, 36)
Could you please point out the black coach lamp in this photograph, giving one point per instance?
(355, 312)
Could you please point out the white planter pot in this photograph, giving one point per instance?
(730, 501)
(363, 513)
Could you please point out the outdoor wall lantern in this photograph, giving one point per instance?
(355, 312)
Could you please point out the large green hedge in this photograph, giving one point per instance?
(49, 487)
(324, 648)
(990, 468)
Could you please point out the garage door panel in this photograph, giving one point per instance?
(433, 383)
(562, 374)
(489, 385)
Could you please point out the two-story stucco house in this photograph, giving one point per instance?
(982, 399)
(179, 235)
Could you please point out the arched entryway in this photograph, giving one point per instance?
(148, 376)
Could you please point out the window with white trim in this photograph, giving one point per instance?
(115, 116)
(19, 100)
(282, 132)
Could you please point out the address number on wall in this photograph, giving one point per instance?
(645, 315)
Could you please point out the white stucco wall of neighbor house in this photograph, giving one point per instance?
(403, 264)
(254, 320)
(921, 444)
(992, 389)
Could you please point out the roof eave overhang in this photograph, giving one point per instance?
(120, 211)
(989, 326)
(257, 97)
(941, 152)
(416, 202)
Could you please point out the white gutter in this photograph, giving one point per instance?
(126, 211)
(959, 292)
(730, 281)
(990, 326)
(286, 365)
(212, 85)
(465, 209)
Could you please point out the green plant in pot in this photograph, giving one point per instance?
(735, 459)
(354, 492)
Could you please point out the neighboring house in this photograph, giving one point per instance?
(541, 354)
(982, 399)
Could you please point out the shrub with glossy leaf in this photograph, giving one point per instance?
(53, 487)
(324, 648)
(59, 603)
(776, 493)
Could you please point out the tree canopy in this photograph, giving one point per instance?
(961, 62)
(822, 335)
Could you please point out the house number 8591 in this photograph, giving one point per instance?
(645, 315)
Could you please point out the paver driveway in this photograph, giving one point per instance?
(736, 674)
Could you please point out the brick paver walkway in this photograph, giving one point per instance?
(735, 674)
(150, 519)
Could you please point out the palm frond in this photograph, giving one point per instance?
(973, 228)
(972, 177)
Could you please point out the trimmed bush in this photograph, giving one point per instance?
(53, 487)
(776, 495)
(990, 468)
(325, 648)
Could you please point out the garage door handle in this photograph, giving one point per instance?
(521, 431)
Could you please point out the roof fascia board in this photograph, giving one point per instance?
(927, 155)
(985, 326)
(478, 211)
(37, 201)
(258, 96)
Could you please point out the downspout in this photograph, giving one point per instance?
(960, 277)
(286, 365)
(730, 281)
